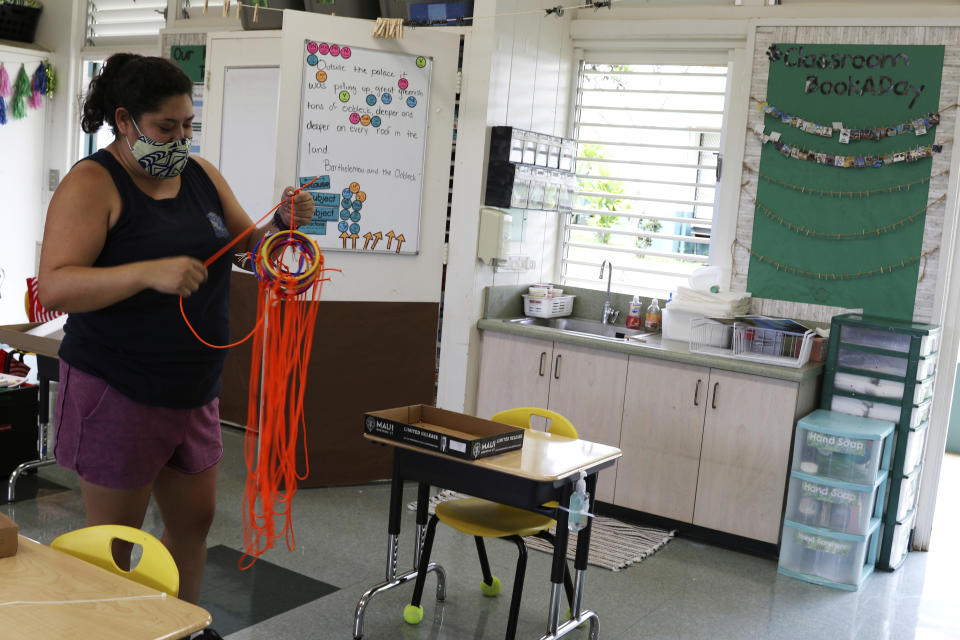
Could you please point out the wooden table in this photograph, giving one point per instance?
(544, 469)
(45, 593)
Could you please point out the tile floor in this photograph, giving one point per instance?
(687, 591)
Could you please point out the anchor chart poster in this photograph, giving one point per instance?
(363, 127)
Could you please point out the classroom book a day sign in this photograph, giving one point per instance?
(363, 126)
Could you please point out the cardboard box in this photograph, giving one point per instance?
(16, 336)
(454, 434)
(8, 537)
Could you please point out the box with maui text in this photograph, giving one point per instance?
(8, 537)
(447, 432)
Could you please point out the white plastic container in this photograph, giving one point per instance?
(891, 365)
(888, 340)
(852, 382)
(706, 277)
(842, 447)
(879, 410)
(841, 506)
(909, 488)
(839, 560)
(916, 438)
(547, 307)
(900, 542)
(676, 324)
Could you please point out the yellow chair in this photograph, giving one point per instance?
(156, 568)
(486, 519)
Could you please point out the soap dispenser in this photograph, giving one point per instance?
(635, 316)
(652, 321)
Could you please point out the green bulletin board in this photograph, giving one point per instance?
(190, 58)
(864, 87)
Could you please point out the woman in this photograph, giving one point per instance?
(126, 235)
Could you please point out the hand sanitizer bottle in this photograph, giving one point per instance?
(635, 316)
(652, 322)
(579, 506)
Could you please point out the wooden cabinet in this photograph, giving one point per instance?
(662, 431)
(584, 385)
(745, 456)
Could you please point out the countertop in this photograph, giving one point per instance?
(654, 347)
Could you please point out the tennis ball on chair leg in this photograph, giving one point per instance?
(491, 589)
(412, 614)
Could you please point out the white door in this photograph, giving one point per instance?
(240, 115)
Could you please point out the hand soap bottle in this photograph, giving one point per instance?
(635, 316)
(652, 321)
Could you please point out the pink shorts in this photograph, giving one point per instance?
(114, 442)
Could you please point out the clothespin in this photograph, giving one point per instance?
(206, 5)
(256, 13)
(226, 8)
(558, 10)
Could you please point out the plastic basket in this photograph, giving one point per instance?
(547, 307)
(18, 22)
(755, 338)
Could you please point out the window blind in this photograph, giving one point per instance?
(124, 22)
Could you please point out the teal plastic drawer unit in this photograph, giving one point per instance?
(838, 560)
(839, 506)
(842, 447)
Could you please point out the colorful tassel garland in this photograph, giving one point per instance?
(51, 79)
(38, 87)
(4, 82)
(3, 111)
(21, 90)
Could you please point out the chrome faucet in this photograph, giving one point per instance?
(610, 314)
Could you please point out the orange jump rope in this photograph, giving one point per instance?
(287, 264)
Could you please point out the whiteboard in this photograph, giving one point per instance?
(363, 131)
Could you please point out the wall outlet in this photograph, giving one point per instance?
(53, 179)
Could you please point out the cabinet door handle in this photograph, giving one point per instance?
(543, 357)
(716, 385)
(556, 368)
(696, 393)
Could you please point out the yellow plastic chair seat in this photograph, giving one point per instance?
(478, 517)
(156, 569)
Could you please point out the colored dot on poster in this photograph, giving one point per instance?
(343, 226)
(345, 203)
(354, 118)
(411, 101)
(371, 99)
(402, 83)
(421, 62)
(311, 47)
(375, 121)
(345, 214)
(354, 187)
(334, 50)
(365, 119)
(323, 48)
(321, 76)
(355, 216)
(312, 60)
(354, 228)
(357, 205)
(344, 96)
(362, 196)
(347, 194)
(345, 52)
(386, 98)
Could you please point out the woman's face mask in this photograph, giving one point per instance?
(160, 159)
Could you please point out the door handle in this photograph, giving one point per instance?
(543, 357)
(556, 368)
(716, 385)
(696, 393)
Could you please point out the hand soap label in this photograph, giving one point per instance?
(634, 316)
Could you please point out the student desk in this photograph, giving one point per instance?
(103, 605)
(544, 469)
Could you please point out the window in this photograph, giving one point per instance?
(648, 138)
(124, 22)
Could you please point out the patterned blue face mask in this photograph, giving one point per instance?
(160, 159)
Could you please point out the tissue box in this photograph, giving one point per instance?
(8, 537)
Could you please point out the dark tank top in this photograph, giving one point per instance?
(141, 346)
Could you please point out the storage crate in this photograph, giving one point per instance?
(891, 365)
(709, 335)
(880, 388)
(757, 338)
(537, 307)
(831, 504)
(907, 498)
(879, 410)
(18, 22)
(913, 454)
(838, 560)
(900, 537)
(842, 447)
(888, 339)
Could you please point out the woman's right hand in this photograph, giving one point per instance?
(180, 276)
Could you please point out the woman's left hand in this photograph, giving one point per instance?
(302, 207)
